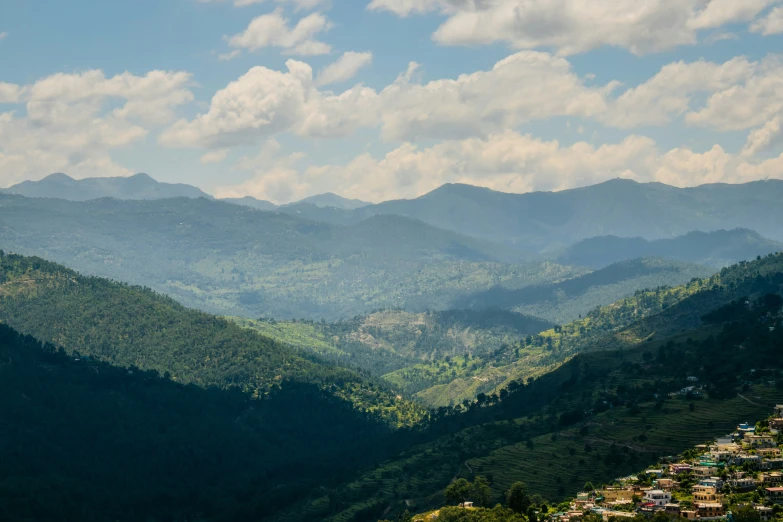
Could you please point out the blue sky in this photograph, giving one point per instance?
(234, 99)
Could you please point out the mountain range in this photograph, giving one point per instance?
(532, 222)
(139, 186)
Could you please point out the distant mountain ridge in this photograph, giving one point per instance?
(330, 199)
(139, 186)
(545, 221)
(717, 249)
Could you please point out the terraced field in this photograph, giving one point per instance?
(618, 443)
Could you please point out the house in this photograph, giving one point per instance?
(678, 468)
(617, 494)
(776, 424)
(657, 497)
(760, 441)
(775, 494)
(467, 505)
(779, 410)
(706, 494)
(606, 515)
(774, 463)
(702, 471)
(715, 482)
(665, 484)
(657, 472)
(765, 512)
(768, 453)
(743, 483)
(688, 514)
(709, 509)
(745, 429)
(772, 479)
(672, 510)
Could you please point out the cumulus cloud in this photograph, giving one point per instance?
(506, 161)
(215, 156)
(764, 138)
(274, 30)
(770, 24)
(577, 26)
(344, 68)
(66, 126)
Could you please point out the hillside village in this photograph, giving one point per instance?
(741, 472)
(740, 469)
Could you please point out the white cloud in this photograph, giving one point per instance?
(10, 93)
(764, 138)
(273, 30)
(215, 156)
(577, 26)
(3, 36)
(505, 161)
(749, 103)
(524, 87)
(344, 68)
(669, 93)
(67, 128)
(770, 24)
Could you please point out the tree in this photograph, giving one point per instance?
(458, 491)
(531, 514)
(589, 487)
(517, 498)
(747, 514)
(405, 517)
(481, 492)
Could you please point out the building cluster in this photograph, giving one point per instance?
(701, 487)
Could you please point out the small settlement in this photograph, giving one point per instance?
(744, 468)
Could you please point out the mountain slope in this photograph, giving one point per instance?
(538, 431)
(140, 186)
(84, 440)
(564, 301)
(134, 327)
(718, 249)
(232, 260)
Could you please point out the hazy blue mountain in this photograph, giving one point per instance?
(139, 186)
(330, 199)
(717, 249)
(545, 220)
(248, 201)
(565, 301)
(234, 260)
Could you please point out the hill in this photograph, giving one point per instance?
(247, 201)
(85, 440)
(140, 186)
(543, 221)
(330, 199)
(233, 260)
(387, 341)
(131, 326)
(611, 409)
(565, 301)
(718, 249)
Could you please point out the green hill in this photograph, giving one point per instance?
(233, 260)
(84, 440)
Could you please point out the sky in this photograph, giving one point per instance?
(384, 99)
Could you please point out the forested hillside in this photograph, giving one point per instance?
(83, 440)
(606, 412)
(135, 327)
(232, 260)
